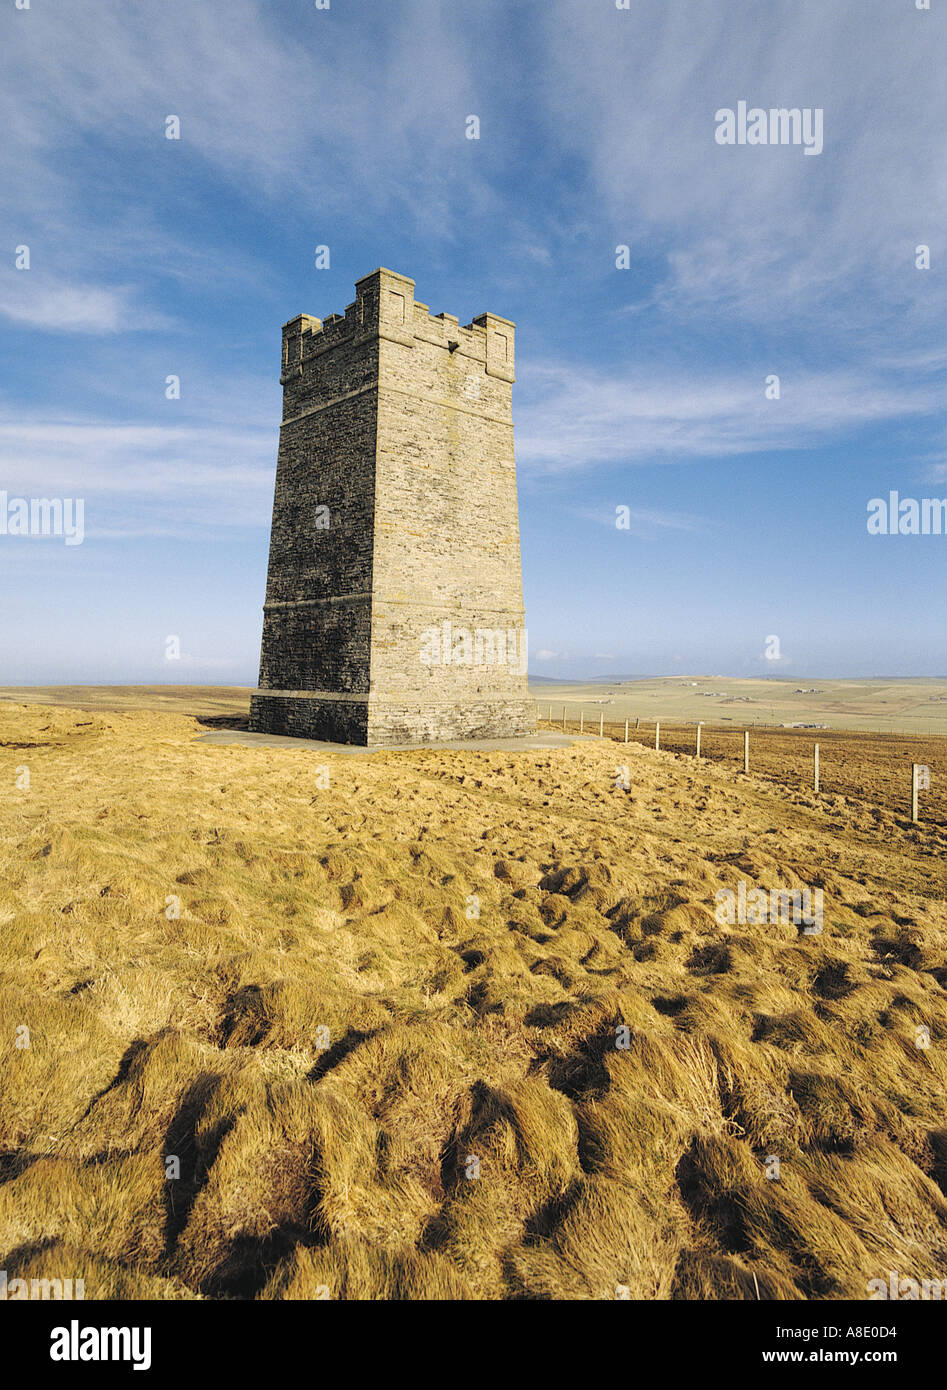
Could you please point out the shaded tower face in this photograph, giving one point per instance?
(394, 598)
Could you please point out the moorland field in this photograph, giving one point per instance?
(455, 1024)
(875, 706)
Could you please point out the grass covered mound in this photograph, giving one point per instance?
(456, 1025)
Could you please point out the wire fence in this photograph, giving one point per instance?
(897, 772)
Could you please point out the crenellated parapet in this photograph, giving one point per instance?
(385, 308)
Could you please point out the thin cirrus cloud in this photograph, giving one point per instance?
(59, 306)
(643, 521)
(574, 418)
(936, 472)
(143, 479)
(288, 110)
(758, 230)
(276, 103)
(282, 105)
(629, 97)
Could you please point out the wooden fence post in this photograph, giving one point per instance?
(601, 725)
(914, 789)
(815, 768)
(626, 730)
(746, 750)
(636, 723)
(657, 733)
(563, 718)
(699, 727)
(582, 722)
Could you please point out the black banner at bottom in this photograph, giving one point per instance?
(162, 1339)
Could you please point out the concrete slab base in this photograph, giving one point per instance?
(549, 739)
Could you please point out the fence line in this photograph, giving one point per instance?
(920, 772)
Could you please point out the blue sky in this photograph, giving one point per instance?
(641, 387)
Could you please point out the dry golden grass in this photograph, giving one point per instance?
(332, 1047)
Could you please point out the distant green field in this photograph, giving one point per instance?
(896, 706)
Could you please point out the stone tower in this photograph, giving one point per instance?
(394, 597)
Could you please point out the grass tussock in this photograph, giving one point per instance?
(457, 1026)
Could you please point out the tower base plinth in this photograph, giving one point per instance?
(374, 722)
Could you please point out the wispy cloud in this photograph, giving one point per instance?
(574, 417)
(290, 108)
(761, 231)
(55, 305)
(643, 521)
(160, 480)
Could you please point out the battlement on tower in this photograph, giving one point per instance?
(385, 308)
